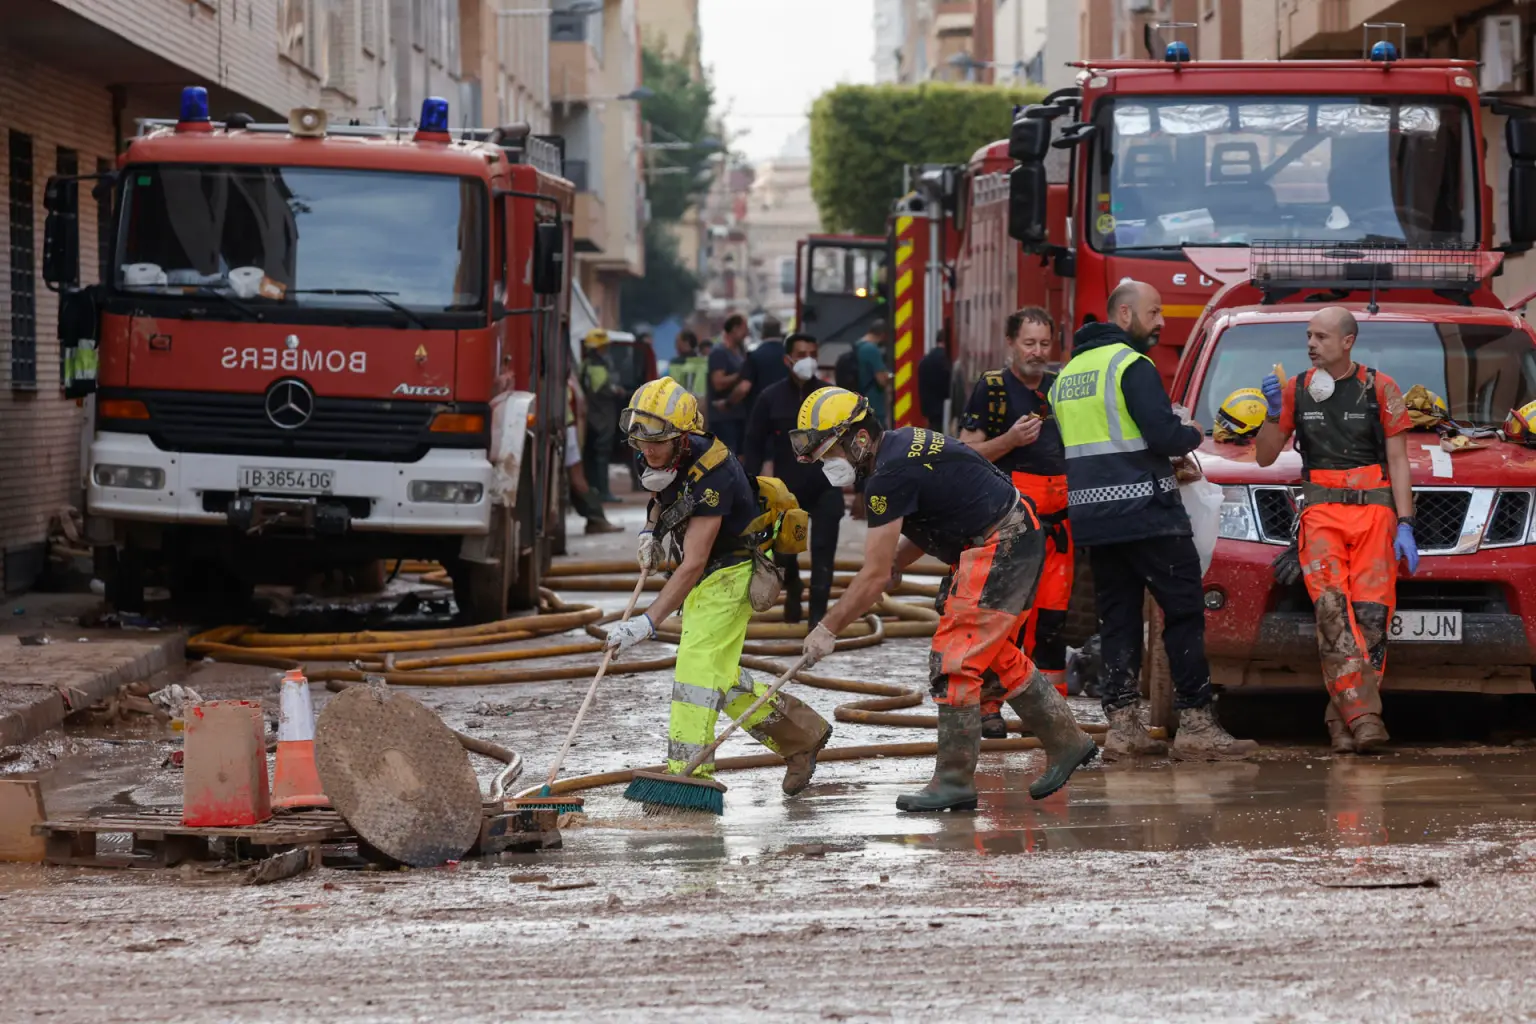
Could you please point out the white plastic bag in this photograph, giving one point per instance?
(1202, 500)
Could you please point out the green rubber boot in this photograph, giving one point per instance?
(953, 786)
(1045, 713)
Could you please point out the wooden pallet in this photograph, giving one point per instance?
(158, 839)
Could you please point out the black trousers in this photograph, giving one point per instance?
(601, 436)
(1122, 574)
(826, 513)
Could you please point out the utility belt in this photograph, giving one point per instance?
(1015, 521)
(1317, 494)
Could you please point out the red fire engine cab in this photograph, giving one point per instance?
(323, 345)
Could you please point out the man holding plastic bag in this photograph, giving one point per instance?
(1121, 434)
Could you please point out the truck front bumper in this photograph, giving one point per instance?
(198, 488)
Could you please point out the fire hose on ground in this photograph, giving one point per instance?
(377, 654)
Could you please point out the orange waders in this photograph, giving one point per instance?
(1345, 546)
(982, 606)
(1042, 632)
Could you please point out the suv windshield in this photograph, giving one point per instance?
(1216, 170)
(288, 234)
(1481, 370)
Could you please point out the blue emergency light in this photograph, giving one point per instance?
(194, 104)
(434, 114)
(1176, 52)
(1383, 50)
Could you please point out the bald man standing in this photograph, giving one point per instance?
(1350, 424)
(1121, 433)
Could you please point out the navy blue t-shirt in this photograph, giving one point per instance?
(1046, 456)
(723, 491)
(944, 493)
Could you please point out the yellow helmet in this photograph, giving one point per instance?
(1520, 424)
(825, 416)
(660, 410)
(1241, 415)
(596, 338)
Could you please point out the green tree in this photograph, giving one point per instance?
(678, 114)
(862, 136)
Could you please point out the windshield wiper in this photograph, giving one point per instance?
(249, 311)
(383, 297)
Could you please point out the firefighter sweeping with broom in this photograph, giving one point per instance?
(705, 513)
(928, 492)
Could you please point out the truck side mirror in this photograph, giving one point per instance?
(1029, 138)
(1026, 205)
(548, 258)
(1520, 138)
(1522, 202)
(61, 233)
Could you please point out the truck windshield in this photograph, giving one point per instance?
(1481, 370)
(311, 237)
(1213, 170)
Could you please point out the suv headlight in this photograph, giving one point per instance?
(1237, 520)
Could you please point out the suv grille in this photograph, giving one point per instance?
(1276, 511)
(1441, 515)
(1508, 522)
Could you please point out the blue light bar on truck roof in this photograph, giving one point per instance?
(194, 104)
(1277, 264)
(434, 114)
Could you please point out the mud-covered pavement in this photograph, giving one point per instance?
(1296, 887)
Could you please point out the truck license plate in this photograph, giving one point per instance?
(286, 481)
(1426, 627)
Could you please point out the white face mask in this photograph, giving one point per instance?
(656, 479)
(839, 472)
(1320, 387)
(805, 368)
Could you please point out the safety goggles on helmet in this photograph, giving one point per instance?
(1242, 413)
(639, 426)
(824, 417)
(660, 410)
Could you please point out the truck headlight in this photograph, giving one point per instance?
(1237, 521)
(447, 492)
(140, 478)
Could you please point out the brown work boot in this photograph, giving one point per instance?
(798, 768)
(603, 526)
(1046, 713)
(1369, 732)
(1201, 736)
(994, 726)
(1338, 733)
(953, 786)
(1127, 737)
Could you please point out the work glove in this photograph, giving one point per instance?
(1405, 548)
(648, 552)
(631, 632)
(1272, 393)
(819, 643)
(1287, 567)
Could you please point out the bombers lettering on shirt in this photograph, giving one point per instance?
(924, 443)
(292, 359)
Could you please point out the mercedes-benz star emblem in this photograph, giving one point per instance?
(290, 404)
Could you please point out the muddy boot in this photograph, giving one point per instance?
(953, 786)
(1127, 737)
(993, 726)
(1338, 733)
(818, 606)
(1370, 732)
(602, 525)
(1045, 713)
(798, 768)
(1200, 736)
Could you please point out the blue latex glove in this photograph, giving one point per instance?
(1272, 393)
(1406, 548)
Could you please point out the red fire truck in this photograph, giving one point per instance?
(322, 345)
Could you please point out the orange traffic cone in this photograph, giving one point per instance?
(295, 782)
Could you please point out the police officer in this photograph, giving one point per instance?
(1120, 433)
(1357, 517)
(1007, 421)
(702, 511)
(768, 434)
(929, 492)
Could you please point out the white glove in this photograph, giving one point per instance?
(648, 553)
(631, 632)
(819, 643)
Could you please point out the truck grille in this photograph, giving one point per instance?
(1507, 525)
(1441, 516)
(1277, 511)
(340, 428)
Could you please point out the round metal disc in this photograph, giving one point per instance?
(398, 776)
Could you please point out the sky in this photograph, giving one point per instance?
(771, 58)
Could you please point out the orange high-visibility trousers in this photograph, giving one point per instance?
(1042, 633)
(1351, 575)
(982, 605)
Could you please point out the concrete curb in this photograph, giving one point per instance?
(56, 700)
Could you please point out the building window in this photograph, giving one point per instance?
(23, 266)
(310, 35)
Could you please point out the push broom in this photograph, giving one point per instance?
(545, 799)
(686, 792)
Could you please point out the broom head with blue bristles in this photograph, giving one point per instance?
(660, 790)
(545, 800)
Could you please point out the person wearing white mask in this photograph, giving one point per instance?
(773, 418)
